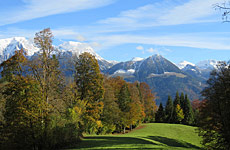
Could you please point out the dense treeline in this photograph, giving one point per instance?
(178, 111)
(40, 109)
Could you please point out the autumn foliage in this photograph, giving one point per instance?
(41, 110)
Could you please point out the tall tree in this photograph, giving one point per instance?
(124, 102)
(110, 116)
(188, 112)
(214, 123)
(182, 100)
(169, 110)
(45, 67)
(45, 70)
(176, 108)
(177, 99)
(89, 84)
(148, 100)
(160, 114)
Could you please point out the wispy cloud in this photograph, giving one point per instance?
(164, 13)
(181, 40)
(32, 9)
(113, 31)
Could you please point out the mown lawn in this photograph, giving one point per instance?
(152, 136)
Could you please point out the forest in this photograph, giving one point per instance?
(41, 109)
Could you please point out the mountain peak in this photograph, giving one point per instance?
(137, 59)
(183, 64)
(10, 45)
(77, 48)
(207, 64)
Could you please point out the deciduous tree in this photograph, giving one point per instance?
(89, 84)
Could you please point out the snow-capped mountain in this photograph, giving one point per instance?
(137, 59)
(207, 64)
(76, 48)
(160, 74)
(67, 49)
(10, 45)
(201, 70)
(183, 64)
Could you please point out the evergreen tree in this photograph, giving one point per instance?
(110, 116)
(160, 114)
(124, 102)
(176, 102)
(124, 98)
(169, 110)
(188, 112)
(89, 84)
(182, 99)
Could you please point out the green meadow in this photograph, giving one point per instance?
(148, 136)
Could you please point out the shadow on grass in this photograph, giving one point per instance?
(112, 142)
(172, 142)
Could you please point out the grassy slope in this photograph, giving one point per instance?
(152, 136)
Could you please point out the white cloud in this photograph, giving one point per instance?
(140, 48)
(41, 8)
(165, 12)
(181, 40)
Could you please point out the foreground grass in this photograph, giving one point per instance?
(152, 136)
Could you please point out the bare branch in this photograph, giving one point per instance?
(225, 7)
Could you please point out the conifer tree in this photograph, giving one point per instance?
(188, 112)
(110, 116)
(177, 99)
(160, 114)
(169, 110)
(124, 102)
(182, 99)
(89, 84)
(176, 102)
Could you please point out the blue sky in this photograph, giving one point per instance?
(119, 30)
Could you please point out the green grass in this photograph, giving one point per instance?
(152, 136)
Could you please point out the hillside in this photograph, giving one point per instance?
(151, 136)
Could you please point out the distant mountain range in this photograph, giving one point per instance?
(163, 76)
